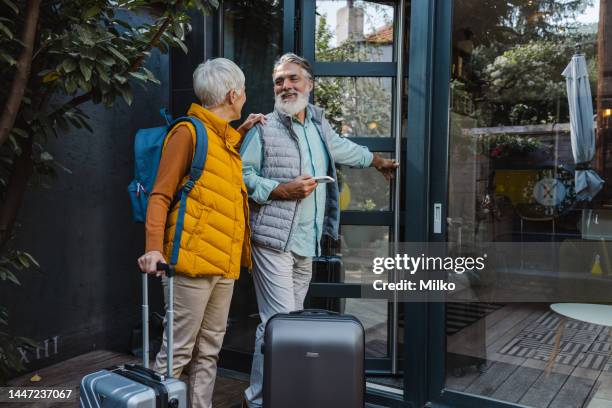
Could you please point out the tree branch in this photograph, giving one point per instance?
(20, 174)
(20, 82)
(77, 100)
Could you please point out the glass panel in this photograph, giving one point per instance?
(356, 106)
(356, 31)
(363, 189)
(350, 259)
(246, 26)
(513, 162)
(361, 244)
(373, 314)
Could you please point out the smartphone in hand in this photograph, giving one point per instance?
(324, 179)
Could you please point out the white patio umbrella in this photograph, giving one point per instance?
(587, 181)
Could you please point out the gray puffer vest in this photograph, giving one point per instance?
(272, 224)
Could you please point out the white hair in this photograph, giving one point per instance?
(213, 79)
(297, 60)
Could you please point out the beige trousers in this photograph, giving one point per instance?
(201, 307)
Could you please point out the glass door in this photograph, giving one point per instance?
(357, 51)
(510, 156)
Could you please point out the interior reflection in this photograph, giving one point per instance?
(528, 166)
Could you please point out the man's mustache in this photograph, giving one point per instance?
(288, 93)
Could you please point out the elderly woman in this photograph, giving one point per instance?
(216, 239)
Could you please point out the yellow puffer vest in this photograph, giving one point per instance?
(216, 234)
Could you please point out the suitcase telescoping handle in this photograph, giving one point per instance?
(313, 312)
(169, 270)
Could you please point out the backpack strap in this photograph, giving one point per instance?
(197, 168)
(166, 116)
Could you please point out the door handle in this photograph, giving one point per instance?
(437, 218)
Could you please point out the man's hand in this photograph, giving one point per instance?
(148, 262)
(251, 121)
(298, 188)
(386, 166)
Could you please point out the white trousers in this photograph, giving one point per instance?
(281, 283)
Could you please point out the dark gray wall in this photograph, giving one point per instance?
(200, 42)
(81, 232)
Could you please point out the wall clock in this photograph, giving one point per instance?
(549, 192)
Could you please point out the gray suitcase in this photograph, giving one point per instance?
(137, 386)
(313, 358)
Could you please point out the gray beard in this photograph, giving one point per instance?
(292, 108)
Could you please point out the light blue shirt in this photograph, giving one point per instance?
(307, 233)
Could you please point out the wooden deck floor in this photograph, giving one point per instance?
(524, 380)
(508, 378)
(228, 390)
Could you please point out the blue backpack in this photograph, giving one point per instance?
(148, 145)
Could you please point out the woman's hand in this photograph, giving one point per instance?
(252, 120)
(148, 262)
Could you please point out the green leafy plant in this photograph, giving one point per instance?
(517, 52)
(12, 263)
(367, 205)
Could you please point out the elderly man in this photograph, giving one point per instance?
(215, 241)
(290, 211)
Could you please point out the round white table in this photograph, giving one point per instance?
(584, 312)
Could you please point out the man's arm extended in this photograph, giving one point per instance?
(351, 154)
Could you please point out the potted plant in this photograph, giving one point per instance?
(502, 145)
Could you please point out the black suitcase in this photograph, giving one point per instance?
(313, 358)
(326, 269)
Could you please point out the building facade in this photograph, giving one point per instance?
(470, 97)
